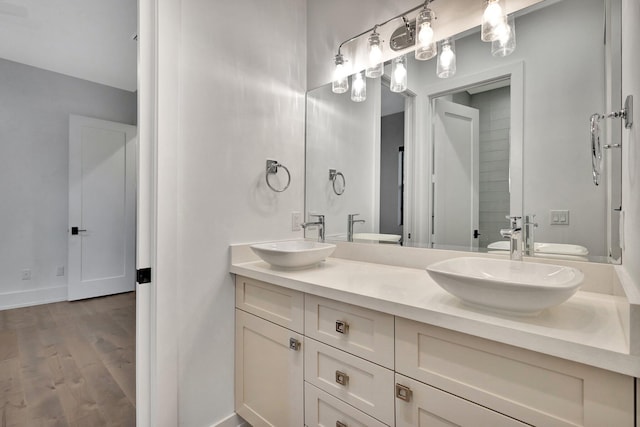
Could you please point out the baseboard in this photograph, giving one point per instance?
(233, 420)
(32, 297)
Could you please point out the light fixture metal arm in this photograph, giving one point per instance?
(375, 27)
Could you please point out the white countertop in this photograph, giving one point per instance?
(585, 329)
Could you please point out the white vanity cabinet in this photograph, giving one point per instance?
(269, 359)
(360, 367)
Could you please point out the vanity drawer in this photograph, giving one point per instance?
(365, 385)
(360, 331)
(428, 406)
(282, 306)
(322, 409)
(531, 387)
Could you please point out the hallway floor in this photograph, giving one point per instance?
(69, 363)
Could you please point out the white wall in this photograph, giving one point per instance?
(34, 157)
(242, 84)
(495, 115)
(631, 139)
(340, 136)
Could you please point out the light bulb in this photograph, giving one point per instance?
(398, 74)
(358, 87)
(425, 44)
(505, 44)
(492, 14)
(376, 68)
(340, 82)
(425, 35)
(446, 66)
(494, 20)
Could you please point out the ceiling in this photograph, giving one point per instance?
(87, 39)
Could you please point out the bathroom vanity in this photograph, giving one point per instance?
(366, 338)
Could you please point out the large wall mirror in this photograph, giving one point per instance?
(443, 163)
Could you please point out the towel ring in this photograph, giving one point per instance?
(333, 177)
(272, 169)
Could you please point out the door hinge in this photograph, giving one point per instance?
(143, 275)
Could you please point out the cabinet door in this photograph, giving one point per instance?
(269, 373)
(427, 406)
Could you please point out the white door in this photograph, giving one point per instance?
(102, 197)
(456, 174)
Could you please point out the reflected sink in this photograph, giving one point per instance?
(378, 237)
(505, 286)
(293, 253)
(546, 248)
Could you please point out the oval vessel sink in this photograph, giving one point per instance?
(510, 287)
(293, 253)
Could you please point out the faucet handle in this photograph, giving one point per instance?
(351, 216)
(513, 221)
(319, 216)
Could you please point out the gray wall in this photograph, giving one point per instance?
(34, 119)
(391, 138)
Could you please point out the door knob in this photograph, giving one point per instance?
(76, 230)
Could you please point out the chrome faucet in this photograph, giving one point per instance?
(528, 226)
(319, 223)
(350, 221)
(515, 235)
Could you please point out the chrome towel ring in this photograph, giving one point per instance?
(272, 169)
(333, 177)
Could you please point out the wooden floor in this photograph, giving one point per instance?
(69, 363)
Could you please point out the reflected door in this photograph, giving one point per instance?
(102, 191)
(456, 175)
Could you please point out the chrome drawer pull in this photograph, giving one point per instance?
(342, 327)
(342, 378)
(403, 392)
(294, 344)
(339, 424)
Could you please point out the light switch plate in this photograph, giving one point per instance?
(296, 220)
(559, 217)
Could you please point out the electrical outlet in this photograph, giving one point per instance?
(296, 220)
(60, 271)
(559, 217)
(26, 274)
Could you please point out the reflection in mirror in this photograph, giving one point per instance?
(532, 154)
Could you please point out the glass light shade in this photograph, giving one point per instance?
(398, 74)
(376, 67)
(446, 66)
(506, 43)
(340, 82)
(425, 41)
(494, 20)
(358, 87)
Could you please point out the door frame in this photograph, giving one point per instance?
(421, 218)
(159, 28)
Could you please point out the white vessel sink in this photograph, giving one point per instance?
(546, 248)
(505, 286)
(293, 253)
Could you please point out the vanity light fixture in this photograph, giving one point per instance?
(494, 20)
(418, 34)
(340, 78)
(376, 67)
(505, 44)
(446, 66)
(398, 74)
(425, 41)
(358, 87)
